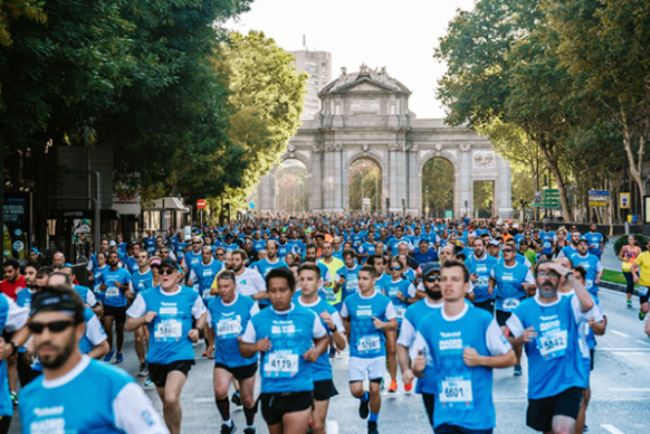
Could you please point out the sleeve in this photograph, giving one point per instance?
(134, 412)
(16, 316)
(344, 310)
(492, 275)
(514, 325)
(138, 308)
(254, 309)
(328, 276)
(198, 308)
(318, 331)
(127, 277)
(419, 345)
(90, 265)
(529, 278)
(561, 254)
(260, 282)
(578, 314)
(390, 311)
(527, 262)
(338, 323)
(497, 343)
(411, 290)
(91, 299)
(95, 332)
(599, 267)
(406, 334)
(193, 276)
(250, 335)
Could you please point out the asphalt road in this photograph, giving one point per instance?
(620, 389)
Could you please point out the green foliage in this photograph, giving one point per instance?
(438, 180)
(364, 180)
(621, 241)
(292, 178)
(267, 95)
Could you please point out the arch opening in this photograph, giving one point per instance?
(438, 182)
(364, 184)
(292, 187)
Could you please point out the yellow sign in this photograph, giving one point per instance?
(599, 203)
(624, 200)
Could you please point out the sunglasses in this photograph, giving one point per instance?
(196, 242)
(167, 271)
(508, 250)
(218, 254)
(433, 278)
(54, 326)
(395, 268)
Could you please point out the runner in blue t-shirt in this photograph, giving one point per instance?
(141, 280)
(367, 315)
(480, 266)
(76, 393)
(228, 317)
(167, 311)
(595, 240)
(401, 292)
(367, 248)
(290, 338)
(346, 276)
(459, 345)
(414, 315)
(309, 275)
(548, 327)
(115, 287)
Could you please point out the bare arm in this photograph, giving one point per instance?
(99, 351)
(472, 358)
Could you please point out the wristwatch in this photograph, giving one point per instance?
(14, 347)
(568, 274)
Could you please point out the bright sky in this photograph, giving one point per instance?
(400, 35)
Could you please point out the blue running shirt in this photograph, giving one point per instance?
(366, 341)
(228, 321)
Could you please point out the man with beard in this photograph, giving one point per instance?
(77, 393)
(480, 266)
(548, 327)
(24, 300)
(249, 281)
(203, 274)
(311, 255)
(412, 319)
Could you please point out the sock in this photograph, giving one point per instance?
(236, 392)
(365, 397)
(250, 414)
(223, 405)
(373, 417)
(228, 423)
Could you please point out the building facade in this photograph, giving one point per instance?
(318, 66)
(365, 115)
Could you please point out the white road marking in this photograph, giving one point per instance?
(630, 389)
(332, 427)
(202, 400)
(625, 335)
(643, 342)
(622, 349)
(612, 429)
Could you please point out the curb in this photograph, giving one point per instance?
(616, 287)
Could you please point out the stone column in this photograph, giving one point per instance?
(266, 192)
(503, 188)
(464, 180)
(414, 180)
(315, 182)
(396, 178)
(329, 176)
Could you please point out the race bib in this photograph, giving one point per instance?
(281, 364)
(168, 330)
(456, 393)
(112, 291)
(399, 311)
(589, 283)
(368, 344)
(510, 304)
(330, 295)
(643, 290)
(552, 343)
(352, 285)
(482, 281)
(228, 328)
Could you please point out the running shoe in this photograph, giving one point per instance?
(518, 371)
(249, 431)
(109, 356)
(225, 429)
(408, 386)
(236, 398)
(363, 408)
(393, 386)
(143, 370)
(205, 353)
(629, 304)
(641, 316)
(372, 428)
(14, 398)
(148, 383)
(119, 358)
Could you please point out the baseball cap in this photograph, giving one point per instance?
(494, 243)
(430, 267)
(112, 243)
(34, 250)
(169, 262)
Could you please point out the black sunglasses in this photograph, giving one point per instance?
(166, 271)
(432, 278)
(54, 326)
(508, 250)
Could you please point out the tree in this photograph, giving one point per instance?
(438, 181)
(606, 45)
(501, 66)
(267, 94)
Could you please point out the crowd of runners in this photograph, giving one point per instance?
(442, 302)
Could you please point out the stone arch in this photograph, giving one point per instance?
(449, 158)
(304, 159)
(377, 160)
(291, 178)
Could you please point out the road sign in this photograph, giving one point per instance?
(599, 198)
(624, 200)
(201, 203)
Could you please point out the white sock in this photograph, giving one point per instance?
(228, 423)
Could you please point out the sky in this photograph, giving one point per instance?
(398, 34)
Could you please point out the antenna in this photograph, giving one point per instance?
(304, 41)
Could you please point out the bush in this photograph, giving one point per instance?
(622, 241)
